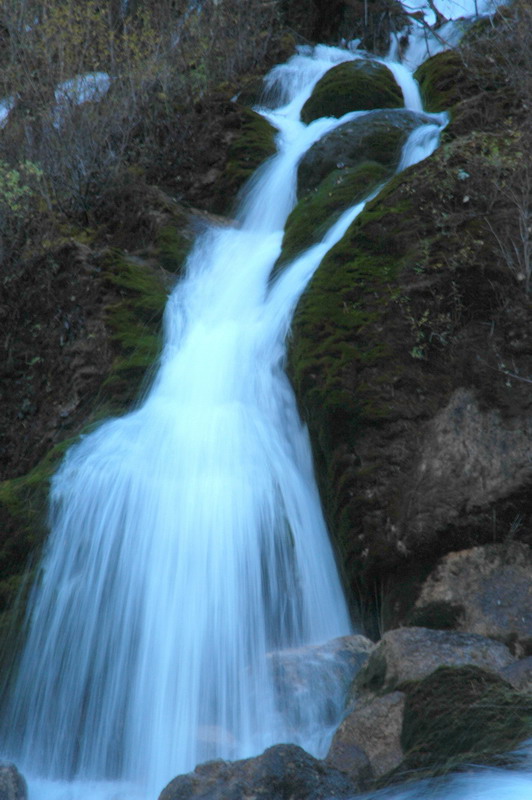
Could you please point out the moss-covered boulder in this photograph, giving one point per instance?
(439, 80)
(253, 144)
(462, 713)
(377, 136)
(314, 214)
(360, 85)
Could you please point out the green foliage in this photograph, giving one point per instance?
(20, 197)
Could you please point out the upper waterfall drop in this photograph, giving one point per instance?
(187, 538)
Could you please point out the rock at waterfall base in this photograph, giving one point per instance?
(283, 772)
(373, 731)
(488, 590)
(410, 654)
(12, 783)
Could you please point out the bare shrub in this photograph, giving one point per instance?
(160, 58)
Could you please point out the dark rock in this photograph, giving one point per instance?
(12, 783)
(370, 21)
(371, 731)
(410, 654)
(377, 136)
(488, 589)
(468, 458)
(360, 85)
(283, 772)
(519, 674)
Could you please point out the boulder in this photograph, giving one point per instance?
(469, 458)
(410, 654)
(462, 713)
(359, 85)
(313, 683)
(372, 729)
(378, 136)
(283, 772)
(488, 590)
(316, 212)
(334, 663)
(12, 783)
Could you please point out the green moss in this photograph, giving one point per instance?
(253, 145)
(173, 247)
(359, 85)
(338, 335)
(462, 713)
(23, 504)
(440, 81)
(376, 137)
(314, 215)
(135, 322)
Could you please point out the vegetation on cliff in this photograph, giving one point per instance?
(421, 312)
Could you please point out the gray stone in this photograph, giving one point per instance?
(377, 136)
(410, 654)
(283, 772)
(488, 590)
(12, 783)
(469, 459)
(373, 727)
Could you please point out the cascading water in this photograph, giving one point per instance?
(187, 537)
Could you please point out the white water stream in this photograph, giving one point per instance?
(187, 537)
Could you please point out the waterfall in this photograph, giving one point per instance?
(187, 540)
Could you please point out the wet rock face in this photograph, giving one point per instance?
(488, 590)
(283, 772)
(360, 85)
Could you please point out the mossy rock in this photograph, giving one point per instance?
(377, 136)
(254, 144)
(360, 85)
(135, 322)
(314, 215)
(462, 714)
(337, 333)
(440, 80)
